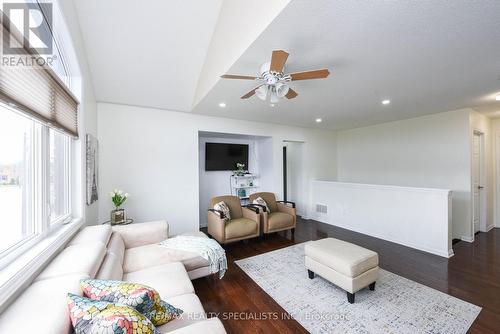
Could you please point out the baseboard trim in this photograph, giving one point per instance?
(444, 253)
(489, 228)
(467, 239)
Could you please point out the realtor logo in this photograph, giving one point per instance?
(34, 22)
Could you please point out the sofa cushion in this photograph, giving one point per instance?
(208, 326)
(135, 235)
(240, 227)
(139, 258)
(111, 268)
(92, 234)
(77, 259)
(279, 220)
(95, 316)
(168, 279)
(193, 312)
(42, 308)
(116, 246)
(222, 207)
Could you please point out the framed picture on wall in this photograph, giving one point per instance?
(92, 169)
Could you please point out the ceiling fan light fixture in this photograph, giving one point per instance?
(261, 92)
(274, 97)
(281, 89)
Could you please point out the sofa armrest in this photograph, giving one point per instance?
(292, 204)
(208, 326)
(216, 226)
(287, 209)
(140, 234)
(251, 213)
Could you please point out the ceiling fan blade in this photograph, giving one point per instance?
(278, 60)
(250, 93)
(316, 74)
(291, 94)
(232, 76)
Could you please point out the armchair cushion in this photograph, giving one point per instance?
(269, 198)
(261, 202)
(233, 202)
(241, 227)
(279, 220)
(221, 206)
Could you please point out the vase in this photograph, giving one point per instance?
(117, 216)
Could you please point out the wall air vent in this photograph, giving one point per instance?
(321, 208)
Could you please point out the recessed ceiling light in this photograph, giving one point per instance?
(385, 102)
(319, 120)
(498, 97)
(222, 105)
(271, 105)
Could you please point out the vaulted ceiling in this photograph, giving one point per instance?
(425, 56)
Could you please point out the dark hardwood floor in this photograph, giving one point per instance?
(473, 275)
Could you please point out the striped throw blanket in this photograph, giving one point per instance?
(208, 249)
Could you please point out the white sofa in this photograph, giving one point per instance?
(128, 253)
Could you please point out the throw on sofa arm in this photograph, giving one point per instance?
(140, 234)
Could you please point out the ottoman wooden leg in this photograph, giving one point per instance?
(310, 273)
(372, 286)
(350, 297)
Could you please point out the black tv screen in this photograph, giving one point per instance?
(219, 156)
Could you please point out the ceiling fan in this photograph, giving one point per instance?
(274, 82)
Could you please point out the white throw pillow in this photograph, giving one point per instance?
(221, 206)
(260, 201)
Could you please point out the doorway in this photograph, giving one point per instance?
(294, 189)
(478, 194)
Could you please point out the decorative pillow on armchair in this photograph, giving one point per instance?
(144, 299)
(93, 316)
(260, 201)
(222, 206)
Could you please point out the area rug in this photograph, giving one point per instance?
(398, 305)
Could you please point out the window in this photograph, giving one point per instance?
(59, 177)
(17, 194)
(35, 181)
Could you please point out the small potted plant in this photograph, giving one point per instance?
(118, 198)
(240, 169)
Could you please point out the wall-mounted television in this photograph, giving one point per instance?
(221, 156)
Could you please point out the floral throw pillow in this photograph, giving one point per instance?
(260, 201)
(93, 316)
(144, 299)
(222, 206)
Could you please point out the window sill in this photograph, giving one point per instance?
(19, 274)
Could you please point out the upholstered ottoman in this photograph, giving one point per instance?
(348, 266)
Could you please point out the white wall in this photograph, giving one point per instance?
(153, 155)
(216, 183)
(415, 217)
(430, 152)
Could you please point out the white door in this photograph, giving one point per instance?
(476, 179)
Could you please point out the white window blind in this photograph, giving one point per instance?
(36, 90)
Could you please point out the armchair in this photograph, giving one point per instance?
(244, 222)
(282, 215)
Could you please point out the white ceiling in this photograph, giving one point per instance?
(148, 52)
(426, 56)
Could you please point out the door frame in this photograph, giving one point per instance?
(482, 181)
